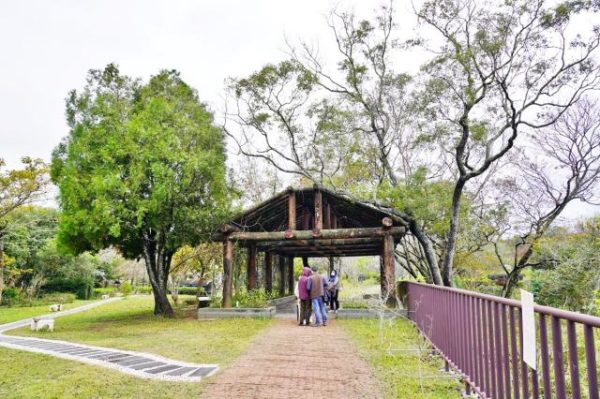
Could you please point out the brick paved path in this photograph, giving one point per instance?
(287, 361)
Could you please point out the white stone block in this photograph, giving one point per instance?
(39, 324)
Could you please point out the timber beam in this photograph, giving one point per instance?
(273, 245)
(325, 254)
(289, 235)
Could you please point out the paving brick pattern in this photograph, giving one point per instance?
(139, 364)
(287, 361)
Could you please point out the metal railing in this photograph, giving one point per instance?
(479, 336)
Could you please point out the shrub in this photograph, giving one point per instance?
(126, 288)
(251, 299)
(81, 286)
(190, 301)
(215, 302)
(56, 297)
(187, 290)
(10, 296)
(98, 292)
(143, 289)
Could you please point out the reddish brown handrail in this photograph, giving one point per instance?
(479, 336)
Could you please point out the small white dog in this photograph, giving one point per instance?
(105, 296)
(56, 307)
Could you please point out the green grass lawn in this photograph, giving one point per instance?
(9, 314)
(401, 360)
(127, 324)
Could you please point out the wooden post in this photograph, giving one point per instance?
(305, 218)
(227, 272)
(382, 282)
(252, 273)
(326, 216)
(318, 213)
(291, 209)
(268, 272)
(290, 275)
(389, 275)
(305, 261)
(281, 264)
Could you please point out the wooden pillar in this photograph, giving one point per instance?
(291, 209)
(389, 277)
(382, 281)
(305, 218)
(252, 272)
(268, 272)
(227, 272)
(318, 212)
(290, 275)
(281, 264)
(326, 216)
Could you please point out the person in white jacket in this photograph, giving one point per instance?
(333, 290)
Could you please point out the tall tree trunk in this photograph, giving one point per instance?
(158, 263)
(513, 277)
(511, 282)
(430, 255)
(452, 232)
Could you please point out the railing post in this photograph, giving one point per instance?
(557, 356)
(590, 360)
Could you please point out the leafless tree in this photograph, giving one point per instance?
(330, 124)
(567, 169)
(503, 68)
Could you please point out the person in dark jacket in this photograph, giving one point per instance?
(333, 288)
(304, 296)
(316, 285)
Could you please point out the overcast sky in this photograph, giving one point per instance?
(47, 47)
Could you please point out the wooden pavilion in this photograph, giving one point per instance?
(310, 222)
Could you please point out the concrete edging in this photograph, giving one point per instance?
(232, 313)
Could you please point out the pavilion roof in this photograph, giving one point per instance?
(271, 215)
(342, 212)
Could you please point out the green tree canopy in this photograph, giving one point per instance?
(18, 187)
(142, 169)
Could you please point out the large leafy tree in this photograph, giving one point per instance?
(18, 187)
(142, 169)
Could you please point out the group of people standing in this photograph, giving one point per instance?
(314, 292)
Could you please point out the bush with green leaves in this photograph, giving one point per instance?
(10, 297)
(57, 297)
(98, 292)
(251, 299)
(143, 289)
(126, 288)
(571, 272)
(187, 290)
